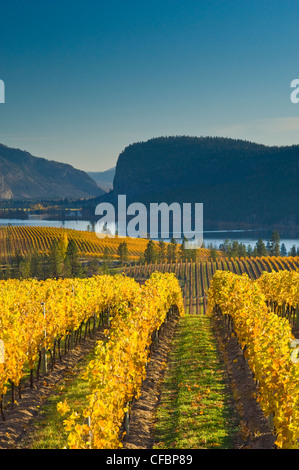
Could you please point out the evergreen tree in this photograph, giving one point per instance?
(169, 251)
(25, 268)
(234, 249)
(56, 260)
(162, 255)
(283, 250)
(71, 260)
(8, 271)
(123, 251)
(17, 260)
(249, 251)
(226, 247)
(106, 253)
(275, 244)
(182, 250)
(2, 269)
(268, 246)
(293, 251)
(261, 249)
(44, 266)
(213, 254)
(150, 253)
(172, 250)
(35, 265)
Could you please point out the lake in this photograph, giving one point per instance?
(248, 237)
(216, 237)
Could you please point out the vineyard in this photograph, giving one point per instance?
(38, 317)
(26, 240)
(259, 300)
(195, 277)
(267, 341)
(256, 298)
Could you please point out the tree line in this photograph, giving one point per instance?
(172, 252)
(61, 261)
(163, 252)
(233, 248)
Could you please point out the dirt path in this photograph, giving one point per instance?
(143, 415)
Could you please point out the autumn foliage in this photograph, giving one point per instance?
(266, 339)
(116, 373)
(34, 314)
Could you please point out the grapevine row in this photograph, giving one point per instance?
(115, 375)
(281, 290)
(30, 239)
(201, 274)
(36, 315)
(266, 340)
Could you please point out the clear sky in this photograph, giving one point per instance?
(84, 79)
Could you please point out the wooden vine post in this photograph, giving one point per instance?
(2, 352)
(44, 364)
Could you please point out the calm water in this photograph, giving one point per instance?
(215, 237)
(37, 222)
(247, 237)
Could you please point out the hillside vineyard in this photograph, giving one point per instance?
(28, 239)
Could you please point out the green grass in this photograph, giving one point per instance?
(49, 432)
(195, 410)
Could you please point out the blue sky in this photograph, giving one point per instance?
(85, 79)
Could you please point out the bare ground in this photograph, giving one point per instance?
(143, 415)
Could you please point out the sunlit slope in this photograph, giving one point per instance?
(27, 239)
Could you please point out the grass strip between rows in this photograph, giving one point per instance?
(195, 410)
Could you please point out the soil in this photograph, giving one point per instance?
(143, 413)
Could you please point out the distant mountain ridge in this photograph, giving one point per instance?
(24, 176)
(104, 179)
(240, 183)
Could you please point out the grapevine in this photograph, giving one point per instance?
(266, 339)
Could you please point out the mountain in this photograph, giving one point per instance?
(104, 179)
(23, 176)
(240, 183)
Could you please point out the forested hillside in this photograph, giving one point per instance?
(239, 183)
